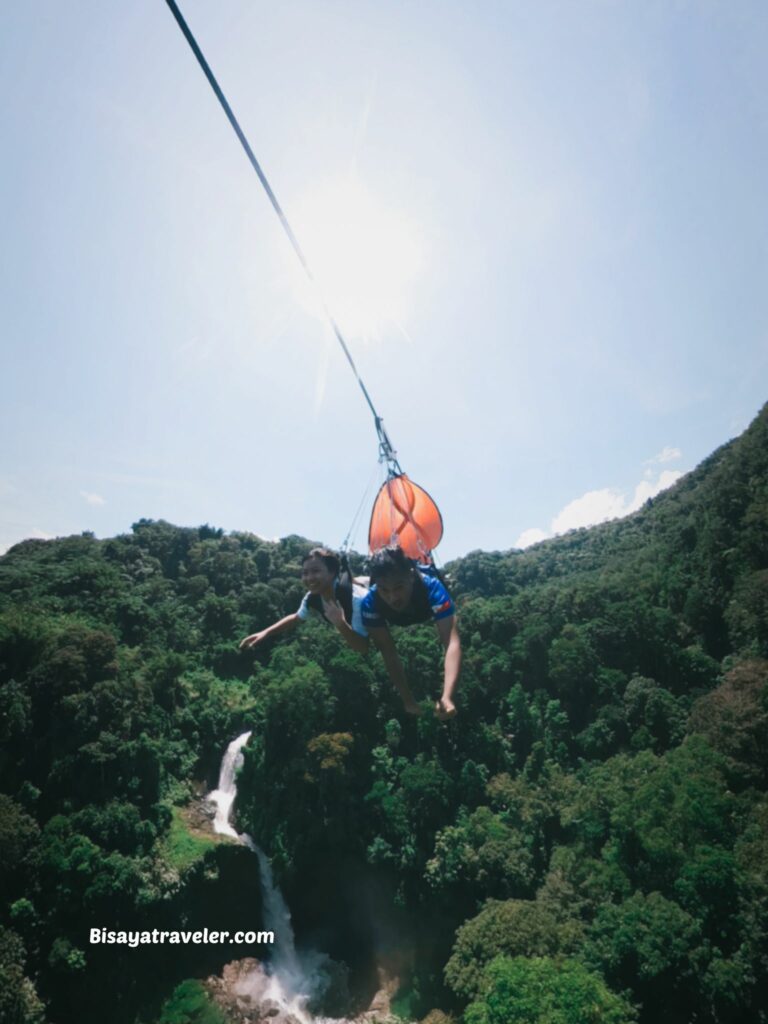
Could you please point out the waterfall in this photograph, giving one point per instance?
(293, 978)
(224, 795)
(277, 917)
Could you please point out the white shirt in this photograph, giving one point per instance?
(358, 596)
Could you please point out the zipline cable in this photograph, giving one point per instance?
(350, 537)
(386, 451)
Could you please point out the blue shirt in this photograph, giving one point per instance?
(430, 602)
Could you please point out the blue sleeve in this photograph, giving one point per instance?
(358, 597)
(439, 599)
(371, 618)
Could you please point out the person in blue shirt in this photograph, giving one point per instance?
(331, 594)
(403, 593)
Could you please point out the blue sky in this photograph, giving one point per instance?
(588, 316)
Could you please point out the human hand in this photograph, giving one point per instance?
(252, 640)
(334, 612)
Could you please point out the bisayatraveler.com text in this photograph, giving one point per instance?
(155, 937)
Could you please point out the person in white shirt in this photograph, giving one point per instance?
(332, 594)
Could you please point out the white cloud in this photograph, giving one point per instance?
(667, 454)
(649, 489)
(532, 536)
(92, 499)
(599, 506)
(592, 507)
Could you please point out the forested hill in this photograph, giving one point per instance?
(590, 836)
(708, 530)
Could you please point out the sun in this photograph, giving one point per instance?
(365, 258)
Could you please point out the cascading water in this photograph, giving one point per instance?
(293, 978)
(224, 795)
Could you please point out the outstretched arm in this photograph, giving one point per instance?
(335, 615)
(289, 622)
(448, 631)
(383, 640)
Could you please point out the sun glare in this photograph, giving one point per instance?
(365, 258)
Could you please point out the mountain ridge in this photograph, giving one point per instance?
(596, 816)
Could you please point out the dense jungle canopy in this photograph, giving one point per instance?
(587, 841)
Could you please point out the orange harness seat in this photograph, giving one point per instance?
(405, 515)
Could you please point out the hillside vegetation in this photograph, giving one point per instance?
(587, 841)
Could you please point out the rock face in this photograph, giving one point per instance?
(380, 1004)
(246, 994)
(242, 993)
(198, 816)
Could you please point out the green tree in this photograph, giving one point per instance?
(190, 1004)
(541, 990)
(19, 1002)
(734, 719)
(512, 928)
(484, 854)
(647, 943)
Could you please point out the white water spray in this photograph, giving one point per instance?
(224, 795)
(293, 979)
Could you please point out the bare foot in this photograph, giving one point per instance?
(445, 709)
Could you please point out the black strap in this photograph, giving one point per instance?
(342, 592)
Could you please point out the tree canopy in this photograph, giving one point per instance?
(591, 831)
